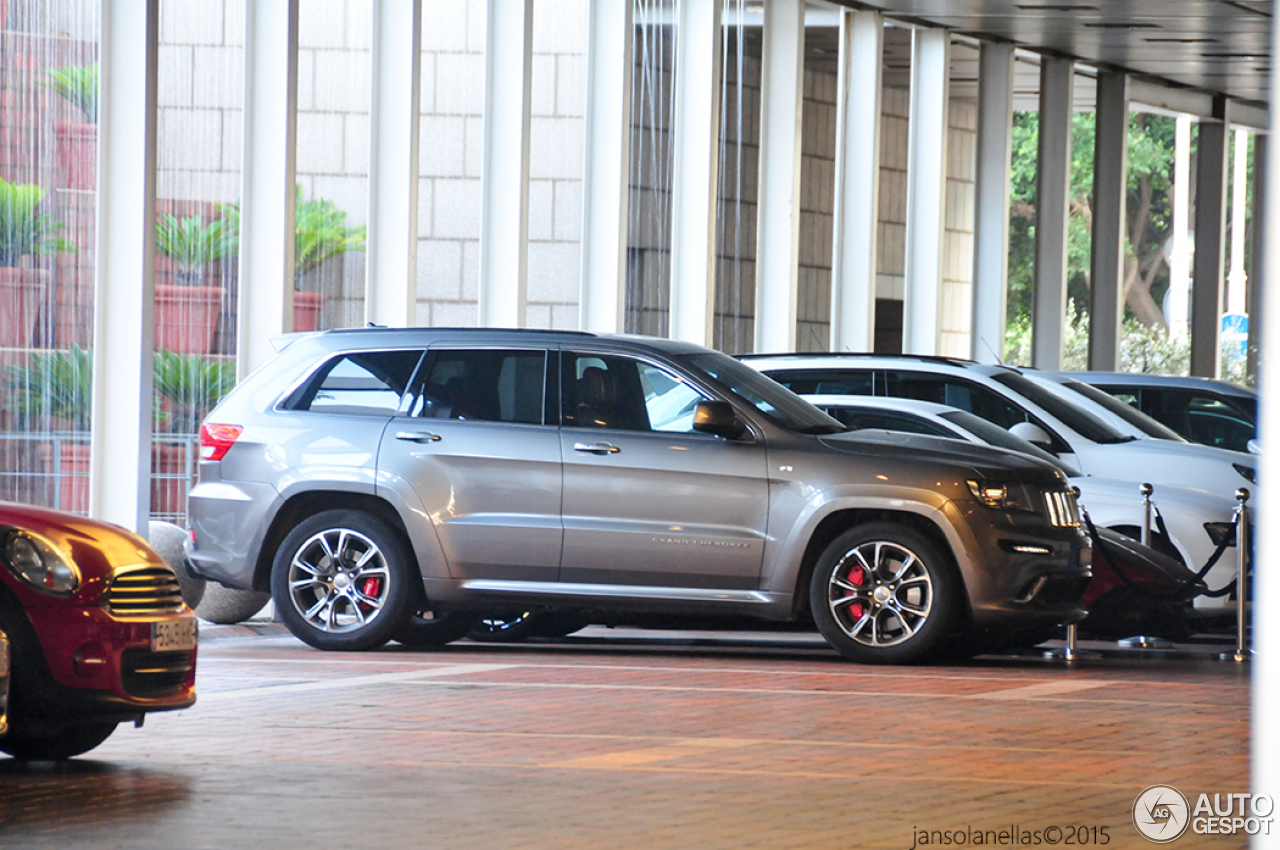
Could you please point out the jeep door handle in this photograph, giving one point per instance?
(596, 448)
(418, 436)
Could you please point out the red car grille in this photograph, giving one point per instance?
(154, 674)
(151, 590)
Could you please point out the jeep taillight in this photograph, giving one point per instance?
(215, 440)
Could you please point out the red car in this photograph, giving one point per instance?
(93, 632)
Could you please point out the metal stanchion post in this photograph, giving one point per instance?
(1146, 490)
(1242, 653)
(1144, 641)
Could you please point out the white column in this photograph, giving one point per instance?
(391, 282)
(926, 188)
(991, 237)
(857, 189)
(607, 175)
(1180, 257)
(1265, 732)
(1110, 170)
(1206, 264)
(778, 228)
(265, 308)
(504, 205)
(696, 148)
(1237, 278)
(124, 330)
(1053, 197)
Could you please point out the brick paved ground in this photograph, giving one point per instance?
(764, 742)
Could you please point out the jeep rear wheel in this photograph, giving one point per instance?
(883, 594)
(342, 580)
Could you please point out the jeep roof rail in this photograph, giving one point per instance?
(488, 331)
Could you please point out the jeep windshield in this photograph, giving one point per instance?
(764, 394)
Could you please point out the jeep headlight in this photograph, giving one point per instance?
(1002, 496)
(38, 563)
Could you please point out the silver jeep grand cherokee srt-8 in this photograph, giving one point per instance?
(389, 483)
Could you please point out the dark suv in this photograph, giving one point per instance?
(391, 483)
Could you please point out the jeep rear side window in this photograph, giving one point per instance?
(482, 385)
(369, 383)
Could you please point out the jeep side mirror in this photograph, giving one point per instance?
(718, 418)
(1032, 433)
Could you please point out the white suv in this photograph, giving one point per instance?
(1042, 409)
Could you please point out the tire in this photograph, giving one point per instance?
(61, 744)
(508, 626)
(170, 541)
(425, 627)
(343, 580)
(226, 606)
(882, 593)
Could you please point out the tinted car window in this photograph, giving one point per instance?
(763, 393)
(1139, 420)
(366, 382)
(1203, 418)
(485, 385)
(1082, 422)
(857, 419)
(954, 392)
(843, 382)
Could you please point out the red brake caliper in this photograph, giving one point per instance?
(857, 577)
(370, 587)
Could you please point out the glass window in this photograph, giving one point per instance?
(485, 385)
(1082, 422)
(621, 393)
(763, 393)
(856, 419)
(1126, 412)
(955, 392)
(813, 382)
(669, 401)
(366, 382)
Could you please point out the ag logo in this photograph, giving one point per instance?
(1161, 813)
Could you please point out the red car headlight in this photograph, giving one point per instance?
(38, 563)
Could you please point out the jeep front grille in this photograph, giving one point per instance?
(151, 590)
(1062, 508)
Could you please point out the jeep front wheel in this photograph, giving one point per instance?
(883, 594)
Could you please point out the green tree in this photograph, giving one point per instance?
(1148, 208)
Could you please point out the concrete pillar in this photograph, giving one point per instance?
(1264, 739)
(1053, 198)
(1237, 280)
(857, 185)
(1206, 268)
(926, 187)
(124, 320)
(504, 205)
(1180, 260)
(696, 149)
(991, 220)
(606, 177)
(778, 226)
(268, 180)
(1257, 284)
(1110, 173)
(391, 282)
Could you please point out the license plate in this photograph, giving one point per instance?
(173, 635)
